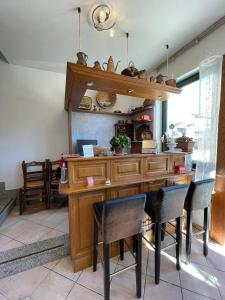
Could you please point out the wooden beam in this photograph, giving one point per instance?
(218, 203)
(80, 78)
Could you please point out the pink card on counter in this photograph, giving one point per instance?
(90, 181)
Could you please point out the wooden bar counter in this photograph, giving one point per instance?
(129, 175)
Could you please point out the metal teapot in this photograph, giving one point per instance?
(110, 65)
(130, 70)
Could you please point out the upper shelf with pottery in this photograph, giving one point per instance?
(79, 78)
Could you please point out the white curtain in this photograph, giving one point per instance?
(210, 72)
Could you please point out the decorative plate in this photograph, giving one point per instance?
(105, 99)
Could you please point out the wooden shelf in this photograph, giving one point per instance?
(101, 112)
(140, 110)
(136, 111)
(80, 78)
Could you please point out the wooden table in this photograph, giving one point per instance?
(129, 175)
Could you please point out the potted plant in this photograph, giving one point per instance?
(185, 143)
(120, 142)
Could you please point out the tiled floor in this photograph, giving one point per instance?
(26, 229)
(203, 279)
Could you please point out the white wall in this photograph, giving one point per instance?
(212, 45)
(33, 123)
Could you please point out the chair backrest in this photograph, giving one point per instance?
(170, 202)
(122, 217)
(199, 194)
(53, 170)
(33, 171)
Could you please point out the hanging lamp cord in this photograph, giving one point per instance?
(79, 11)
(167, 60)
(127, 36)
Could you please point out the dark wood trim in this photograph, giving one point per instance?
(70, 127)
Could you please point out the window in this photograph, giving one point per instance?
(183, 110)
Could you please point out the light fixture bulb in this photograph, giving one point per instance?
(112, 32)
(102, 16)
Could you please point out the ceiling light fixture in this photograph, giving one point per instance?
(102, 18)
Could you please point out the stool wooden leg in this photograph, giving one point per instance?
(179, 242)
(122, 249)
(158, 229)
(106, 271)
(188, 236)
(95, 245)
(139, 264)
(134, 239)
(163, 231)
(206, 233)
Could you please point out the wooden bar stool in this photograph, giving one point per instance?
(53, 171)
(198, 197)
(163, 206)
(118, 219)
(33, 194)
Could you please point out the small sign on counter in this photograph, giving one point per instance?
(90, 181)
(88, 150)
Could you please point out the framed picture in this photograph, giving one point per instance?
(86, 103)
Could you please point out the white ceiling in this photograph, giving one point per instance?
(43, 34)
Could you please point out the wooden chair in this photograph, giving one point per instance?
(33, 194)
(55, 200)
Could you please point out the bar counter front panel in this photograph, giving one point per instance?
(129, 175)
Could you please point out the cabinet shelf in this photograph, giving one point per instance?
(80, 78)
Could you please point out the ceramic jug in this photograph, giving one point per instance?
(110, 65)
(82, 58)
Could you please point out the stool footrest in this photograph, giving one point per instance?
(124, 269)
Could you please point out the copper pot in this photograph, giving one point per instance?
(171, 82)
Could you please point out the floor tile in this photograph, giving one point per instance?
(63, 226)
(129, 259)
(94, 280)
(123, 286)
(168, 271)
(188, 295)
(7, 243)
(50, 233)
(199, 279)
(11, 220)
(216, 256)
(3, 297)
(197, 256)
(53, 287)
(51, 264)
(22, 284)
(161, 291)
(220, 281)
(80, 292)
(65, 267)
